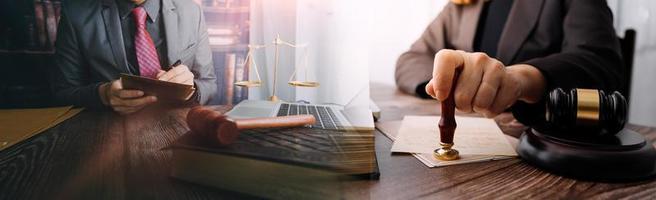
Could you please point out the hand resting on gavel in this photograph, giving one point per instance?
(214, 125)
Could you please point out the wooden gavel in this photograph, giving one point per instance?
(448, 125)
(214, 125)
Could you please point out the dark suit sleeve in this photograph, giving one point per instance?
(203, 69)
(414, 68)
(70, 76)
(590, 55)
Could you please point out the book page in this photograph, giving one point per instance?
(474, 137)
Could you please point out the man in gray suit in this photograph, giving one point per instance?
(99, 40)
(511, 52)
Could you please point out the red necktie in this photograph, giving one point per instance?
(144, 46)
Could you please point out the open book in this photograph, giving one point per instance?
(477, 139)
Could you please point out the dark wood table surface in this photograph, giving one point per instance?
(101, 155)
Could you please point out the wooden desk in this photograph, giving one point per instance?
(100, 155)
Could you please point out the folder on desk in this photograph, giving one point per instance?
(17, 125)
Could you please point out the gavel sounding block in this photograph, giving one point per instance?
(626, 156)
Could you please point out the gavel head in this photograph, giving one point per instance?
(209, 123)
(227, 131)
(586, 111)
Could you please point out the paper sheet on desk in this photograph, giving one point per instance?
(477, 139)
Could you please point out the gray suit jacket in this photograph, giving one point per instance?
(572, 42)
(90, 49)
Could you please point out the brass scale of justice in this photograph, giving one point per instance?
(249, 62)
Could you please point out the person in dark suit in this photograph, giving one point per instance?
(511, 52)
(99, 40)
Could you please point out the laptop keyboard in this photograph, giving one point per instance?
(326, 118)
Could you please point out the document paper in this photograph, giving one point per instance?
(477, 139)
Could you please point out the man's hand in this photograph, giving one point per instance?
(124, 101)
(485, 85)
(179, 74)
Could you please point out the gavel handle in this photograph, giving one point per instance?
(275, 122)
(213, 125)
(447, 122)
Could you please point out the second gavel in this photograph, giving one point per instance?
(214, 125)
(590, 112)
(447, 125)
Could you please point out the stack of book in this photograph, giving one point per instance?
(234, 70)
(29, 26)
(223, 36)
(46, 14)
(28, 30)
(228, 34)
(280, 163)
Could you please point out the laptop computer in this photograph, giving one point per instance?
(355, 115)
(334, 117)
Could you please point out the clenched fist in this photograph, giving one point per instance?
(485, 85)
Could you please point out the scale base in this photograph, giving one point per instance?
(624, 157)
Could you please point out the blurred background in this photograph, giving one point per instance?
(358, 41)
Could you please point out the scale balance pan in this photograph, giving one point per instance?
(623, 157)
(248, 83)
(304, 83)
